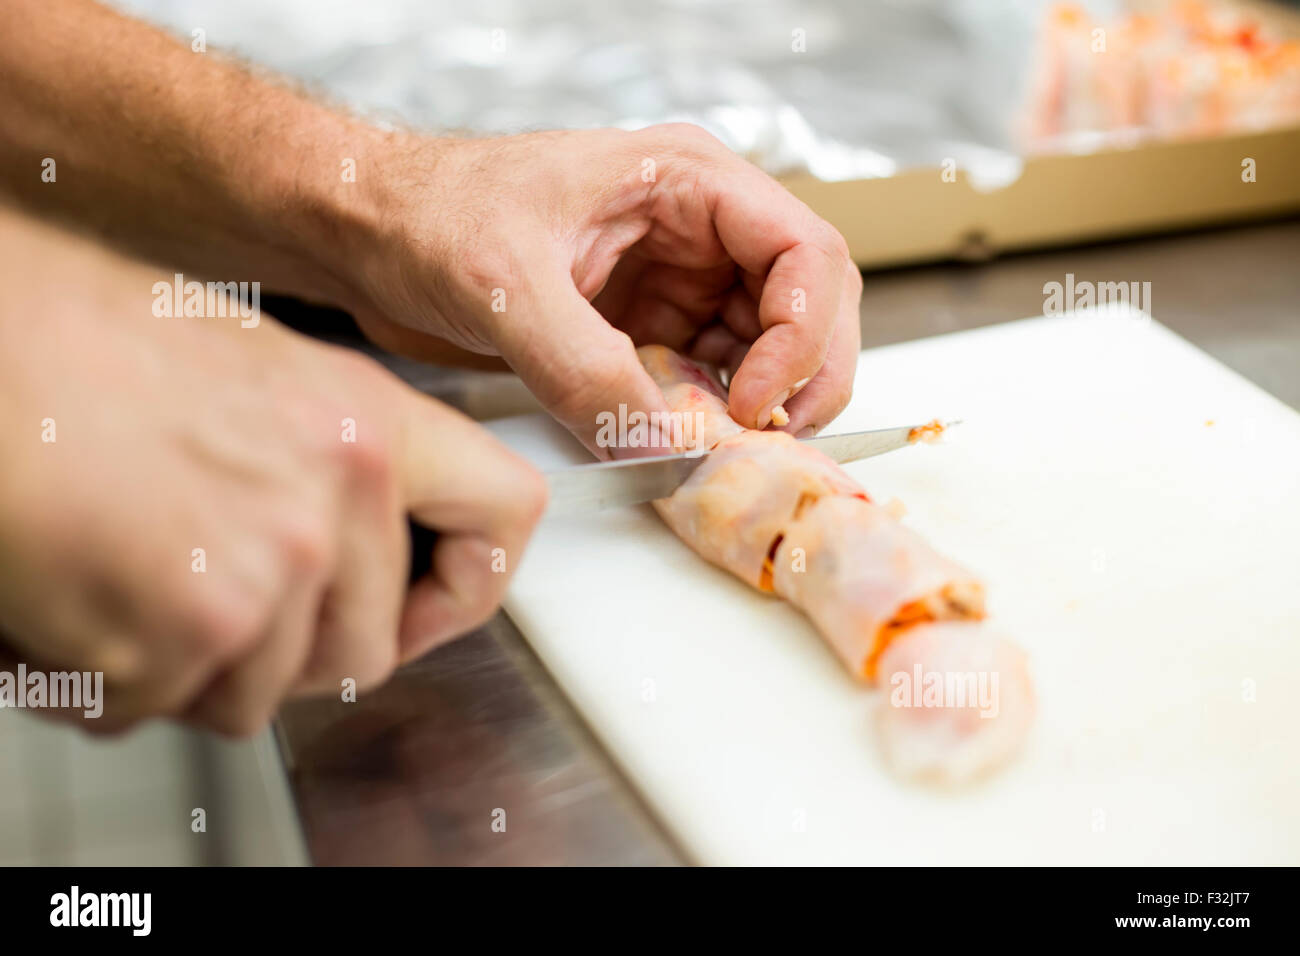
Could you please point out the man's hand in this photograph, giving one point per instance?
(561, 251)
(215, 516)
(556, 251)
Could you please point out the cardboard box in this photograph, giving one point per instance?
(916, 216)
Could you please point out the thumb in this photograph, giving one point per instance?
(582, 369)
(482, 499)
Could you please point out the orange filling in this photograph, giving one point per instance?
(909, 615)
(765, 575)
(947, 604)
(927, 433)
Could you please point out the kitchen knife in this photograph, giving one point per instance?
(611, 484)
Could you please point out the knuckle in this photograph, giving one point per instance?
(684, 138)
(304, 542)
(363, 450)
(482, 267)
(832, 242)
(369, 460)
(123, 663)
(693, 133)
(220, 629)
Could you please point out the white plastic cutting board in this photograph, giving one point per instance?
(1134, 508)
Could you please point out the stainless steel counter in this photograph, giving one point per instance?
(413, 772)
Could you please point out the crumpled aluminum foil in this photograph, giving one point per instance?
(836, 88)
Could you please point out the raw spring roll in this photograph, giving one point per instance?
(787, 520)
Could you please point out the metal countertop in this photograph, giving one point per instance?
(413, 772)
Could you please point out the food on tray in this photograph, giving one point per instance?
(1185, 69)
(786, 519)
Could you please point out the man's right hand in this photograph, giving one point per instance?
(215, 516)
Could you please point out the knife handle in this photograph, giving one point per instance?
(422, 541)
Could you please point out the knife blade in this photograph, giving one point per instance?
(612, 484)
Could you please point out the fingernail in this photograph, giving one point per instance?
(646, 441)
(808, 431)
(765, 416)
(652, 450)
(800, 384)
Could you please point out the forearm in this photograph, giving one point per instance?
(182, 157)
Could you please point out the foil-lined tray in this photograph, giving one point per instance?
(835, 88)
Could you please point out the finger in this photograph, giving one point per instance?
(719, 346)
(455, 476)
(485, 501)
(651, 320)
(243, 699)
(829, 391)
(665, 304)
(580, 367)
(769, 233)
(356, 632)
(740, 313)
(460, 592)
(800, 302)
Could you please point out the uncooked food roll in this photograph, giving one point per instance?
(786, 519)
